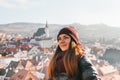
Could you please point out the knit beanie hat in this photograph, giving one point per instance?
(72, 31)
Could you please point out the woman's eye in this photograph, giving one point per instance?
(59, 39)
(66, 37)
(63, 38)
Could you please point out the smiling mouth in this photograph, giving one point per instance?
(63, 45)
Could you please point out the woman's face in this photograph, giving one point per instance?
(64, 41)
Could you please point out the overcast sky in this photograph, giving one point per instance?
(84, 12)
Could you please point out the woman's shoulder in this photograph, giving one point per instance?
(87, 69)
(84, 60)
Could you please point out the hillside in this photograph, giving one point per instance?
(85, 31)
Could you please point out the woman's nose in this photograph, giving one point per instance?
(62, 40)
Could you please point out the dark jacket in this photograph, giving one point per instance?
(86, 71)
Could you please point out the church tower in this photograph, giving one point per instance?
(46, 30)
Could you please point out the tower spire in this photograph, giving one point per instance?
(46, 29)
(46, 25)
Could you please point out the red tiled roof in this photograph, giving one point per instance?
(23, 75)
(9, 50)
(19, 37)
(110, 77)
(107, 69)
(24, 46)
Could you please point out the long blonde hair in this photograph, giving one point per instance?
(70, 60)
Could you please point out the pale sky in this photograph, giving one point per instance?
(84, 12)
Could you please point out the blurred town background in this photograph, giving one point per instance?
(26, 48)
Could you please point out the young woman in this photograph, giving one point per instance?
(69, 61)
